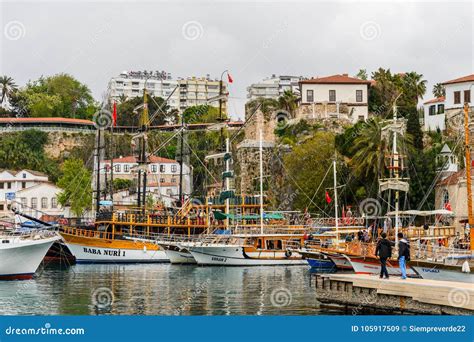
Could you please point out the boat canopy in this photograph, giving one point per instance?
(422, 212)
(268, 216)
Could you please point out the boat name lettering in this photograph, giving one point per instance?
(219, 259)
(432, 270)
(108, 252)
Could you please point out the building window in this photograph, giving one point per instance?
(44, 203)
(23, 185)
(309, 96)
(154, 168)
(173, 180)
(54, 203)
(162, 168)
(162, 180)
(9, 185)
(117, 168)
(2, 185)
(445, 198)
(358, 95)
(34, 202)
(24, 175)
(467, 96)
(457, 97)
(174, 168)
(332, 96)
(126, 168)
(23, 202)
(2, 207)
(432, 110)
(440, 108)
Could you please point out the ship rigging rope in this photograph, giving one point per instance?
(320, 184)
(200, 161)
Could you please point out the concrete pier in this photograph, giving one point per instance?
(421, 296)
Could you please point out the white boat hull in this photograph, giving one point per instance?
(89, 254)
(372, 266)
(19, 259)
(435, 273)
(340, 261)
(236, 256)
(180, 257)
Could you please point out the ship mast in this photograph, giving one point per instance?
(467, 151)
(335, 200)
(143, 124)
(260, 145)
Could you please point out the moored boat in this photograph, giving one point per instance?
(21, 254)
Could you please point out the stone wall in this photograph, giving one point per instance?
(59, 142)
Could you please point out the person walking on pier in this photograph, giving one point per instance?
(403, 254)
(384, 252)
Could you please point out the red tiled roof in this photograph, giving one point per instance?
(46, 120)
(163, 184)
(133, 159)
(435, 100)
(341, 79)
(468, 78)
(453, 179)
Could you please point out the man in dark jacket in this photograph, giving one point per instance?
(403, 254)
(384, 252)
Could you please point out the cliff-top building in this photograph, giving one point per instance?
(334, 97)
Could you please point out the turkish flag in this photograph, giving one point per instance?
(114, 114)
(328, 198)
(447, 206)
(229, 78)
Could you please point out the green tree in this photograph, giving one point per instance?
(56, 96)
(439, 90)
(414, 128)
(8, 87)
(76, 186)
(368, 151)
(201, 114)
(362, 74)
(288, 101)
(306, 166)
(122, 184)
(129, 111)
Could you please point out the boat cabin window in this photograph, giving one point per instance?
(274, 244)
(259, 243)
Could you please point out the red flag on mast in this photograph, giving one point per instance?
(328, 198)
(229, 78)
(114, 114)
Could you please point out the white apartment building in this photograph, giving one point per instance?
(31, 190)
(162, 176)
(182, 92)
(433, 113)
(273, 87)
(458, 91)
(336, 96)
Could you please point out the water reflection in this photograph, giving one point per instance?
(162, 289)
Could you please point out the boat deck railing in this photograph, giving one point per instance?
(34, 234)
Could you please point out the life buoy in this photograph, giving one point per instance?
(288, 253)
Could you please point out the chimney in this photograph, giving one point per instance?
(345, 75)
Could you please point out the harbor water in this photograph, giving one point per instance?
(162, 289)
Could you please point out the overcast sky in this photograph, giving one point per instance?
(96, 40)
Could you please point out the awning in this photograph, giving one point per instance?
(422, 212)
(267, 216)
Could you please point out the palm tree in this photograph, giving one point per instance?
(369, 148)
(288, 101)
(439, 90)
(8, 87)
(416, 84)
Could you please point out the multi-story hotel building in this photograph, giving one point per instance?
(273, 87)
(182, 92)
